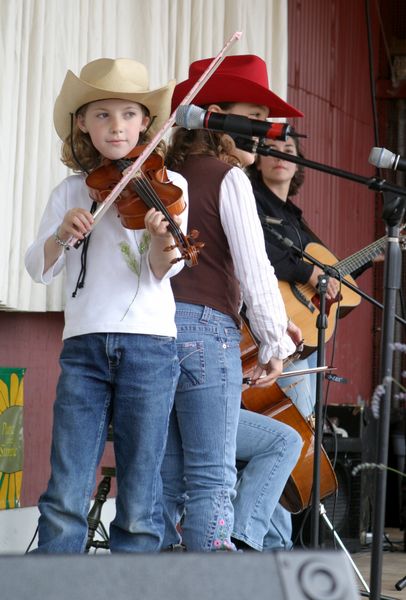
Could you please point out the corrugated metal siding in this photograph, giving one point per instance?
(329, 82)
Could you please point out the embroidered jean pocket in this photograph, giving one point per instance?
(192, 365)
(232, 337)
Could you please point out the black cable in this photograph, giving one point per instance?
(402, 303)
(83, 259)
(371, 73)
(32, 540)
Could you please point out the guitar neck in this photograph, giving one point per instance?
(360, 258)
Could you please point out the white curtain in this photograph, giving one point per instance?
(41, 39)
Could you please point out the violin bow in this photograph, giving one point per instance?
(115, 192)
(322, 369)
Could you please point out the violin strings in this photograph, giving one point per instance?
(151, 198)
(143, 184)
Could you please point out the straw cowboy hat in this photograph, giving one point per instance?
(107, 78)
(241, 78)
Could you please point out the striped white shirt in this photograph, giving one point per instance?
(259, 285)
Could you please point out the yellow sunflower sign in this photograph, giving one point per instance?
(11, 436)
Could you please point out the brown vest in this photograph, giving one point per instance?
(212, 281)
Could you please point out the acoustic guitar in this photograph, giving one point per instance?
(273, 402)
(302, 302)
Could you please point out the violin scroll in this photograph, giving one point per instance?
(189, 249)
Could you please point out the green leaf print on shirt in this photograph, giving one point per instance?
(132, 261)
(145, 242)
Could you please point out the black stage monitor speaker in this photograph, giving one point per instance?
(350, 511)
(295, 575)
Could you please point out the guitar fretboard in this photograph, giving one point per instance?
(360, 258)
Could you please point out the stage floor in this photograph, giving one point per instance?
(394, 564)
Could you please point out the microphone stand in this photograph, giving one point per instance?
(373, 183)
(321, 324)
(394, 208)
(393, 215)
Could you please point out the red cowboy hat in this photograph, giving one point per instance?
(241, 78)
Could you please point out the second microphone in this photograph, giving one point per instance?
(194, 117)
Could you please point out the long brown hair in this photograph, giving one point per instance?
(201, 141)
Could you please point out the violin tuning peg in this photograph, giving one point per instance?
(194, 234)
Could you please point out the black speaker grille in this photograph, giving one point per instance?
(350, 510)
(344, 511)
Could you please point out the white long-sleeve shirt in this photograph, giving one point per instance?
(121, 294)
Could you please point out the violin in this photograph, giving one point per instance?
(122, 183)
(149, 188)
(273, 402)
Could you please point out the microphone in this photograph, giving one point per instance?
(385, 159)
(194, 117)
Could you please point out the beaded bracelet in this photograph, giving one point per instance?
(59, 241)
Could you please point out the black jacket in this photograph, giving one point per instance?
(286, 262)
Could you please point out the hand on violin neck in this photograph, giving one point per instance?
(157, 225)
(265, 375)
(163, 252)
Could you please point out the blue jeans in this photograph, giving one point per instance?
(271, 450)
(279, 535)
(301, 389)
(199, 469)
(129, 379)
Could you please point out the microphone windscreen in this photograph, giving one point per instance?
(190, 116)
(381, 158)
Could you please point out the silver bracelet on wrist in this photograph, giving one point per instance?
(59, 241)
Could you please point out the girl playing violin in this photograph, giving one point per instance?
(201, 450)
(118, 361)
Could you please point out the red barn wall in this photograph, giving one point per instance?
(329, 81)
